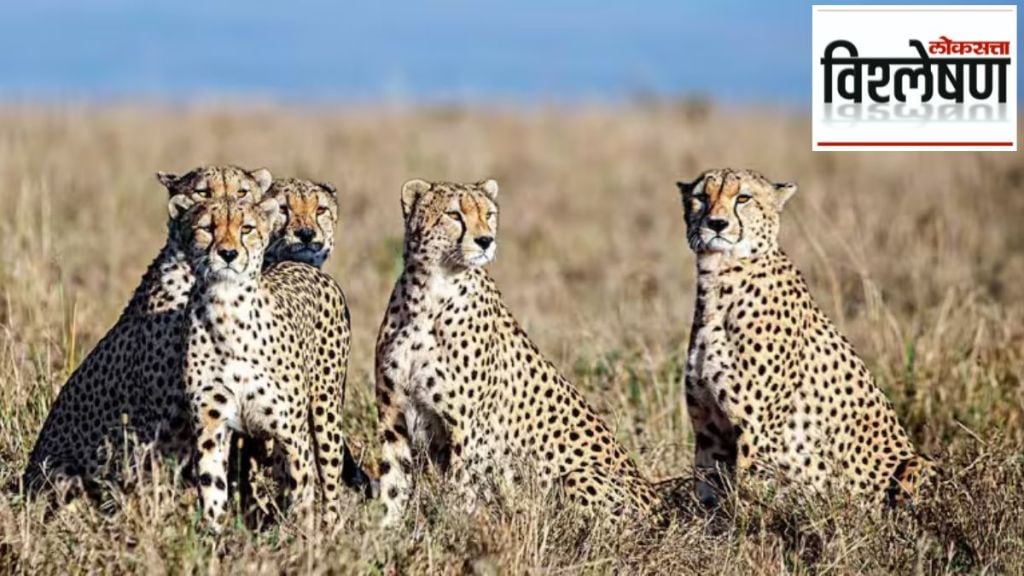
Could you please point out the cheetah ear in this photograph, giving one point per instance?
(490, 188)
(411, 192)
(329, 187)
(167, 179)
(783, 192)
(178, 205)
(271, 209)
(263, 178)
(686, 188)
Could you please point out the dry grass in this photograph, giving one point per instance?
(918, 258)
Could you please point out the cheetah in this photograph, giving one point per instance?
(128, 387)
(459, 382)
(311, 209)
(266, 355)
(772, 387)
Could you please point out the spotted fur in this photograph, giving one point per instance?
(266, 356)
(310, 211)
(771, 385)
(128, 389)
(460, 381)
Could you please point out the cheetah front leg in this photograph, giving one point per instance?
(297, 453)
(212, 445)
(714, 451)
(478, 466)
(328, 443)
(710, 469)
(298, 490)
(255, 456)
(396, 450)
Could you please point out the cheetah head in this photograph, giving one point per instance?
(226, 238)
(735, 212)
(210, 182)
(207, 183)
(311, 212)
(449, 224)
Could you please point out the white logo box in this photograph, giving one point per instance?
(980, 41)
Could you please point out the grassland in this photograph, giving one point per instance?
(919, 258)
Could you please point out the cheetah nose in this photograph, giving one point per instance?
(305, 235)
(228, 255)
(484, 241)
(718, 224)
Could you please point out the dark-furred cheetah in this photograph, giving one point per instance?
(311, 212)
(128, 389)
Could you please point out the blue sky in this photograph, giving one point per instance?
(739, 51)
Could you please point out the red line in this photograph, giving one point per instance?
(915, 143)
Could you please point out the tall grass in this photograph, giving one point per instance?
(917, 257)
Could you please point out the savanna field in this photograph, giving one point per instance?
(918, 258)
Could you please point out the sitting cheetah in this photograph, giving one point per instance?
(128, 388)
(458, 379)
(771, 385)
(265, 355)
(310, 210)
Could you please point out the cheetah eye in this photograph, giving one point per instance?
(743, 198)
(321, 210)
(242, 192)
(204, 192)
(491, 214)
(454, 215)
(248, 228)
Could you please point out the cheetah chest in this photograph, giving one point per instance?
(413, 355)
(415, 360)
(235, 377)
(711, 358)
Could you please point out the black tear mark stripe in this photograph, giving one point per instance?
(462, 223)
(736, 211)
(246, 248)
